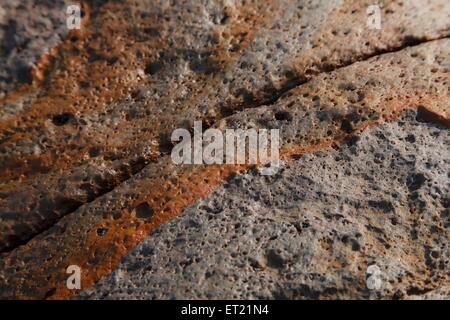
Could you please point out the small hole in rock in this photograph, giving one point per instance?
(283, 116)
(144, 211)
(153, 68)
(62, 119)
(101, 231)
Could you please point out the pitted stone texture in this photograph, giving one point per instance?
(141, 69)
(211, 60)
(80, 238)
(312, 230)
(28, 30)
(324, 109)
(339, 102)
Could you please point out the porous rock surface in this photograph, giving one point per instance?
(28, 30)
(310, 231)
(85, 171)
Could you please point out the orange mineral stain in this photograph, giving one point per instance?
(86, 72)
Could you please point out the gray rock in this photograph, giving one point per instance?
(84, 164)
(28, 30)
(312, 230)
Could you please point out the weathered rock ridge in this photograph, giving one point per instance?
(86, 173)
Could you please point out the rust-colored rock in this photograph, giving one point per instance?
(85, 170)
